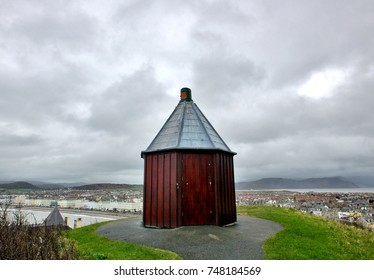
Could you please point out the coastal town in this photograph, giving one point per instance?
(121, 200)
(355, 208)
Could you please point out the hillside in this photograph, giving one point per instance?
(47, 186)
(38, 185)
(18, 185)
(308, 237)
(108, 186)
(283, 183)
(304, 237)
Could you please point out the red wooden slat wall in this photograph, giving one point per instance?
(160, 192)
(188, 188)
(225, 189)
(198, 201)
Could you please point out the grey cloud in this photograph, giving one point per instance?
(59, 31)
(300, 37)
(40, 25)
(131, 105)
(226, 18)
(312, 156)
(85, 87)
(223, 75)
(348, 112)
(36, 97)
(20, 140)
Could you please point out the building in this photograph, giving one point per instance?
(188, 172)
(55, 219)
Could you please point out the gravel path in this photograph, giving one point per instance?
(242, 241)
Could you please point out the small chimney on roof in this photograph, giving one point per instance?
(186, 94)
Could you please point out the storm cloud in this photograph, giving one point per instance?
(86, 86)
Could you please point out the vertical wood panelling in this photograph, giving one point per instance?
(167, 189)
(228, 186)
(160, 190)
(231, 189)
(160, 197)
(180, 179)
(224, 189)
(198, 203)
(228, 193)
(225, 185)
(217, 189)
(206, 193)
(154, 190)
(173, 191)
(147, 207)
(145, 192)
(211, 189)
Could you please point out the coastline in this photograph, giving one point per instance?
(321, 190)
(84, 217)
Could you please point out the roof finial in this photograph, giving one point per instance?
(186, 94)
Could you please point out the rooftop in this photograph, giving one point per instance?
(187, 128)
(55, 218)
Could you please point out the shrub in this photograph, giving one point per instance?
(20, 240)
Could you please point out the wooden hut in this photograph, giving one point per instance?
(188, 172)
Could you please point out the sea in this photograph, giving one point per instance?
(331, 190)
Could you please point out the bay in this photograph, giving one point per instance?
(84, 218)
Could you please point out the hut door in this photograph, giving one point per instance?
(197, 204)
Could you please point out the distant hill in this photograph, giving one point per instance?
(283, 183)
(72, 185)
(108, 186)
(36, 184)
(47, 186)
(18, 185)
(39, 185)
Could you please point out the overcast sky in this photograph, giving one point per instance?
(86, 85)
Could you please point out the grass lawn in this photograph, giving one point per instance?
(307, 237)
(304, 237)
(92, 246)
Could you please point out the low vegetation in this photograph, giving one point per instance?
(304, 237)
(307, 237)
(22, 241)
(93, 247)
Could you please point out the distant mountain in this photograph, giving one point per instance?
(72, 185)
(43, 185)
(108, 186)
(47, 186)
(362, 181)
(18, 185)
(282, 183)
(39, 185)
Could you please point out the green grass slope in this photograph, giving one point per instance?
(307, 237)
(92, 246)
(304, 237)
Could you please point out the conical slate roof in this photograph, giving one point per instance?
(187, 128)
(54, 218)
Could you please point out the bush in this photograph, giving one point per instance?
(20, 240)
